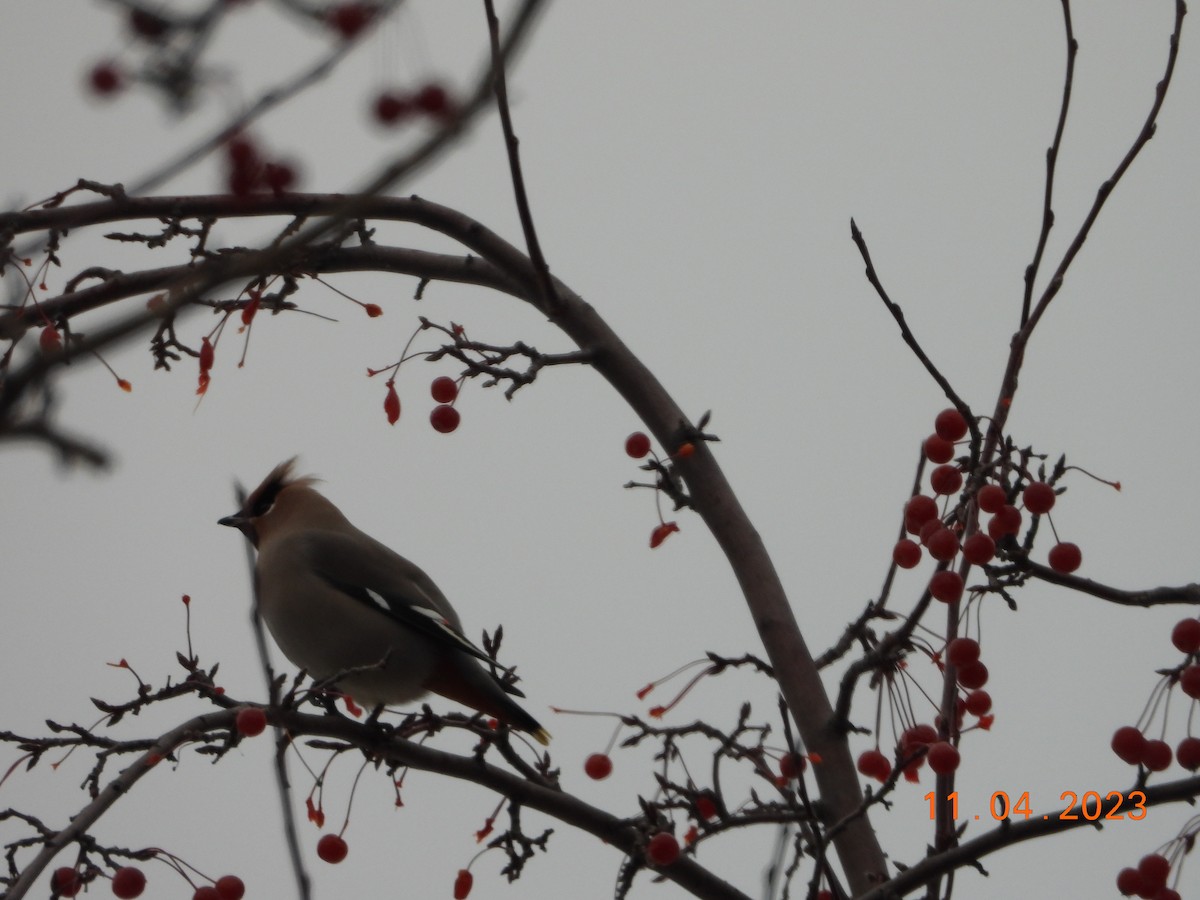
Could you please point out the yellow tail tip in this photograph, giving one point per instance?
(542, 736)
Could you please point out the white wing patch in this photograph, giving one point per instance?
(377, 599)
(445, 628)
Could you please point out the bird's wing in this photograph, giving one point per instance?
(383, 580)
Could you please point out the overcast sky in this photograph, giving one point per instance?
(693, 168)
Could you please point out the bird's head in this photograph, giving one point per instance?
(280, 497)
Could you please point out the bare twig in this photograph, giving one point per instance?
(905, 331)
(1051, 161)
(511, 145)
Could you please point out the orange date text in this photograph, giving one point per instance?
(1089, 806)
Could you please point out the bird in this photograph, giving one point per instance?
(343, 606)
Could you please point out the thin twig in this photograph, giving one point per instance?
(1051, 162)
(1106, 188)
(511, 145)
(114, 791)
(905, 331)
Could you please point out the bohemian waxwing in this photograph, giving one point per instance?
(337, 600)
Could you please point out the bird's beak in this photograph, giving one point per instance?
(242, 524)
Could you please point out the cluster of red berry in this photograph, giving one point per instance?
(395, 106)
(972, 675)
(637, 446)
(248, 171)
(444, 418)
(1148, 880)
(129, 882)
(1132, 745)
(922, 516)
(918, 744)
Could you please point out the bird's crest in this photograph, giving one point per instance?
(263, 497)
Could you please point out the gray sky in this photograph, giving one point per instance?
(693, 169)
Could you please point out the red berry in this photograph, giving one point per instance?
(906, 554)
(1189, 681)
(1128, 743)
(1129, 882)
(128, 882)
(1156, 755)
(942, 544)
(279, 177)
(919, 510)
(230, 887)
(918, 735)
(1039, 498)
(637, 445)
(706, 807)
(938, 449)
(979, 549)
(1186, 635)
(661, 533)
(598, 766)
(874, 764)
(962, 651)
(444, 419)
(978, 703)
(946, 586)
(350, 18)
(391, 107)
(242, 152)
(206, 892)
(928, 529)
(1166, 893)
(105, 78)
(251, 721)
(444, 389)
(973, 676)
(1154, 869)
(943, 757)
(791, 765)
(433, 99)
(1188, 753)
(991, 497)
(65, 882)
(945, 480)
(391, 404)
(462, 884)
(1007, 519)
(950, 425)
(662, 849)
(332, 848)
(51, 341)
(1065, 557)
